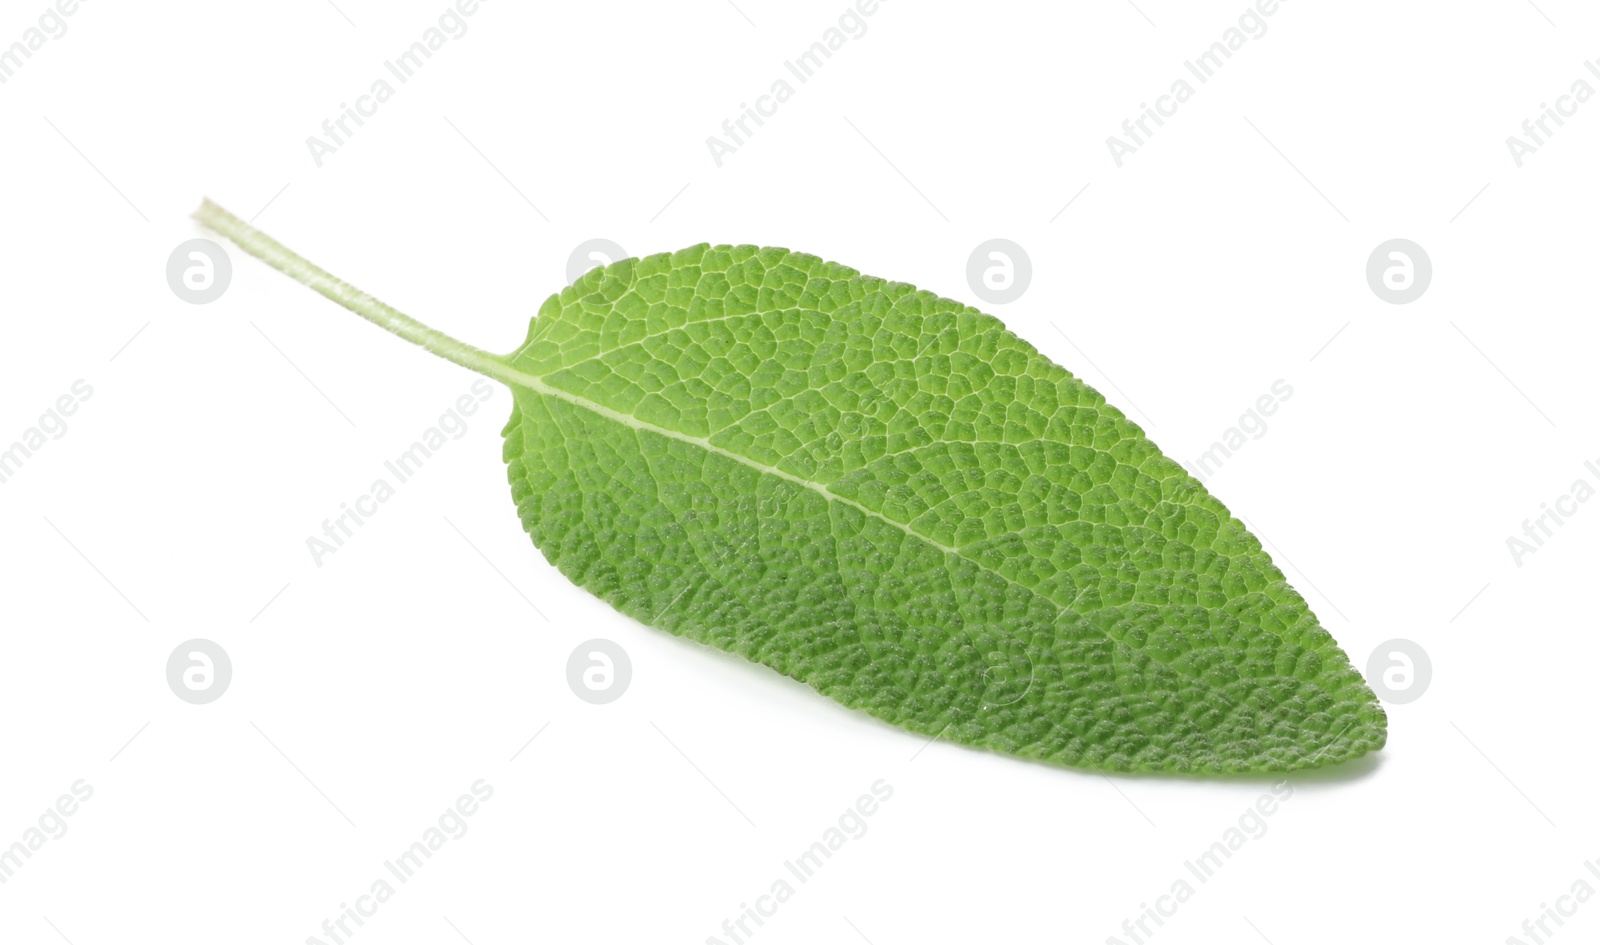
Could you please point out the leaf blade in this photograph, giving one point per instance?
(1047, 618)
(1125, 620)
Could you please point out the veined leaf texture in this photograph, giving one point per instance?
(887, 495)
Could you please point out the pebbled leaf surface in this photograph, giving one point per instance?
(887, 495)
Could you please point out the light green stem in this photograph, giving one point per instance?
(300, 269)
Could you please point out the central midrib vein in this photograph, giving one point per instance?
(510, 375)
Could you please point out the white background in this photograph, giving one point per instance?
(370, 692)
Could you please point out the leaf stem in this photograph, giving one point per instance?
(297, 267)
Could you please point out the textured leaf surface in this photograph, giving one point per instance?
(890, 497)
(887, 495)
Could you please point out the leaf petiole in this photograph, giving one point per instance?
(385, 316)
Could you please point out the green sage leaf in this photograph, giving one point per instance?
(890, 497)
